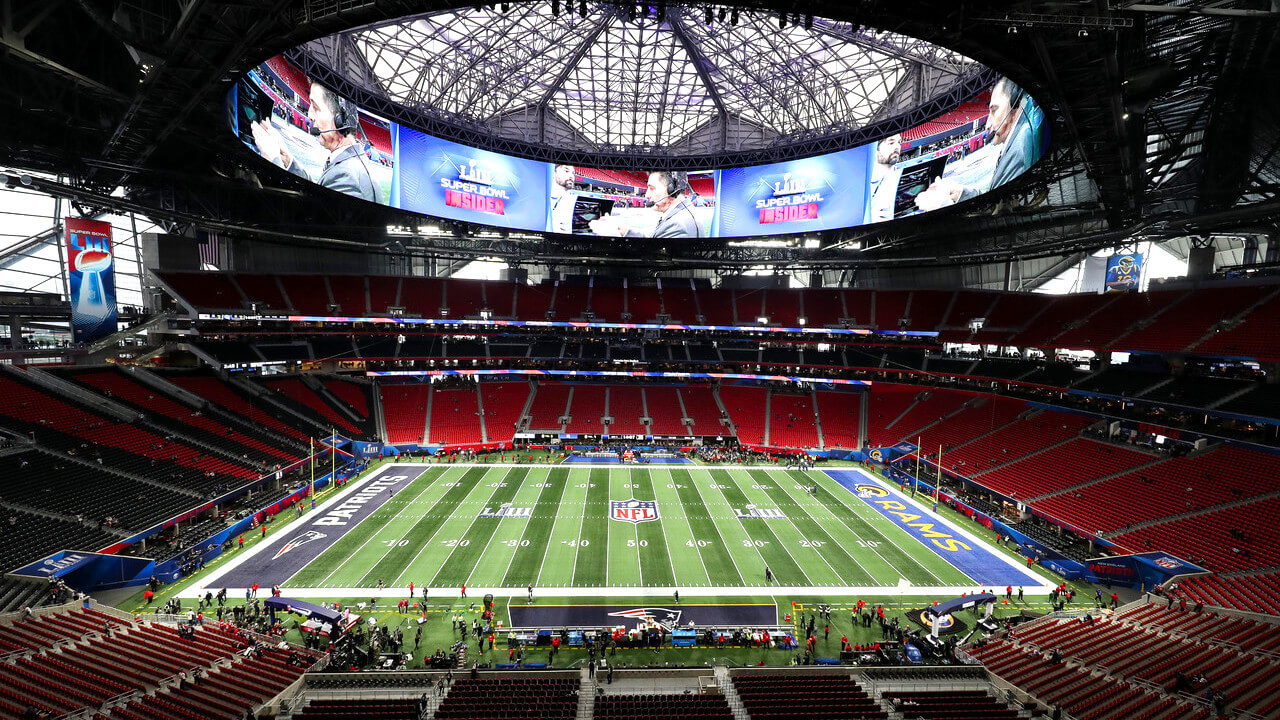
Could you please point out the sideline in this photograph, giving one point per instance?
(476, 593)
(988, 546)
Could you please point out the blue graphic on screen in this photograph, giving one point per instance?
(817, 193)
(442, 178)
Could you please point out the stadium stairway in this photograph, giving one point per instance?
(817, 416)
(586, 696)
(1194, 513)
(260, 394)
(1032, 454)
(1228, 397)
(1233, 322)
(1102, 479)
(731, 696)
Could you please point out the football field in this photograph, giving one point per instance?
(622, 530)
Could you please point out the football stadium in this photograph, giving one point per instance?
(416, 360)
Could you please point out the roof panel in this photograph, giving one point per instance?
(624, 82)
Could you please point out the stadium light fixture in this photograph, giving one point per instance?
(710, 15)
(505, 8)
(723, 11)
(555, 8)
(662, 12)
(733, 17)
(782, 20)
(582, 8)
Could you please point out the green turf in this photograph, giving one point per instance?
(431, 534)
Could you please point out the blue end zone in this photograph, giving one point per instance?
(974, 559)
(615, 461)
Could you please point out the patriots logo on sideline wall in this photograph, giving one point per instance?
(302, 539)
(666, 617)
(869, 491)
(633, 511)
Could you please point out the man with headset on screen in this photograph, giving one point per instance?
(1010, 123)
(336, 123)
(668, 194)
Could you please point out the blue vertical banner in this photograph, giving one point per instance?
(1124, 272)
(91, 277)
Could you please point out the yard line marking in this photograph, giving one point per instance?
(716, 525)
(687, 523)
(763, 563)
(547, 550)
(480, 483)
(523, 532)
(372, 535)
(800, 534)
(837, 519)
(635, 527)
(577, 547)
(840, 499)
(653, 490)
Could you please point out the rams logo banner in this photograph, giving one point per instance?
(877, 455)
(871, 491)
(633, 511)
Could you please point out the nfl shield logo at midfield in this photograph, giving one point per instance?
(633, 511)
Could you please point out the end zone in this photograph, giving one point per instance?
(966, 552)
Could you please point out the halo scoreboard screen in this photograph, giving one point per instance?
(289, 120)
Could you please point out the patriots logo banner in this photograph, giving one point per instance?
(633, 511)
(666, 617)
(303, 539)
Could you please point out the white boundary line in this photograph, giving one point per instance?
(847, 551)
(339, 565)
(961, 532)
(198, 590)
(868, 520)
(523, 532)
(629, 591)
(537, 580)
(773, 479)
